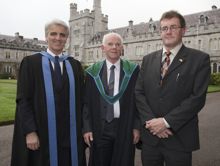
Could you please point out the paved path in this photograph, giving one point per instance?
(208, 155)
(6, 133)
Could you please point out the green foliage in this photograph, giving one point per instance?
(215, 79)
(7, 99)
(5, 76)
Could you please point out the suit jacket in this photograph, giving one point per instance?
(179, 99)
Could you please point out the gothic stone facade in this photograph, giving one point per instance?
(88, 27)
(13, 49)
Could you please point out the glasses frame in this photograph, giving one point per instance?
(172, 28)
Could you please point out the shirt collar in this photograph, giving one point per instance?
(117, 64)
(51, 53)
(173, 51)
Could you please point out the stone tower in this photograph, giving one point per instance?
(98, 26)
(83, 26)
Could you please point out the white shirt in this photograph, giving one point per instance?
(173, 52)
(116, 84)
(61, 63)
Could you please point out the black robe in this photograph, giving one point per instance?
(31, 113)
(93, 120)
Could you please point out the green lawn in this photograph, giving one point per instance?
(7, 99)
(213, 88)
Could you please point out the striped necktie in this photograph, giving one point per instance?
(165, 65)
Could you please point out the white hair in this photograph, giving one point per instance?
(111, 34)
(56, 22)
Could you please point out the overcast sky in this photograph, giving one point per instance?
(28, 17)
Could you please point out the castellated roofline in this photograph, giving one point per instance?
(75, 14)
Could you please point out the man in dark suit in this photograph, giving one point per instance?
(170, 91)
(110, 119)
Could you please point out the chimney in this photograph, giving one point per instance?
(17, 34)
(130, 24)
(214, 7)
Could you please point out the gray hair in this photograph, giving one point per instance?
(56, 22)
(111, 34)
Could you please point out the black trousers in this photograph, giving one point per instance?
(160, 156)
(64, 157)
(104, 148)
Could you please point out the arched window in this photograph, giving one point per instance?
(214, 67)
(202, 19)
(219, 68)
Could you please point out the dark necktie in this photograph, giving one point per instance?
(110, 107)
(57, 73)
(165, 65)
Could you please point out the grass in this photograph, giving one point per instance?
(7, 99)
(213, 88)
(8, 93)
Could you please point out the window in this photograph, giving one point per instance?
(97, 54)
(149, 48)
(7, 55)
(76, 33)
(8, 69)
(219, 44)
(199, 44)
(202, 19)
(24, 54)
(90, 55)
(122, 52)
(213, 44)
(16, 55)
(76, 50)
(214, 67)
(139, 50)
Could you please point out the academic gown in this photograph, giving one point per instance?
(31, 113)
(124, 149)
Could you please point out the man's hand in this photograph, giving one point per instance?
(136, 136)
(156, 125)
(165, 134)
(88, 137)
(32, 141)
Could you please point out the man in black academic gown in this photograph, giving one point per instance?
(110, 120)
(47, 130)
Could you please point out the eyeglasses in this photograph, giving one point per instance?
(172, 28)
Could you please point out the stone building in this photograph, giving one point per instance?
(88, 27)
(13, 49)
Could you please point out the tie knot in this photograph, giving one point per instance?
(112, 67)
(167, 53)
(56, 58)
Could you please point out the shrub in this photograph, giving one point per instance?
(215, 79)
(5, 76)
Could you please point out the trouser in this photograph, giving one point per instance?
(160, 156)
(104, 148)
